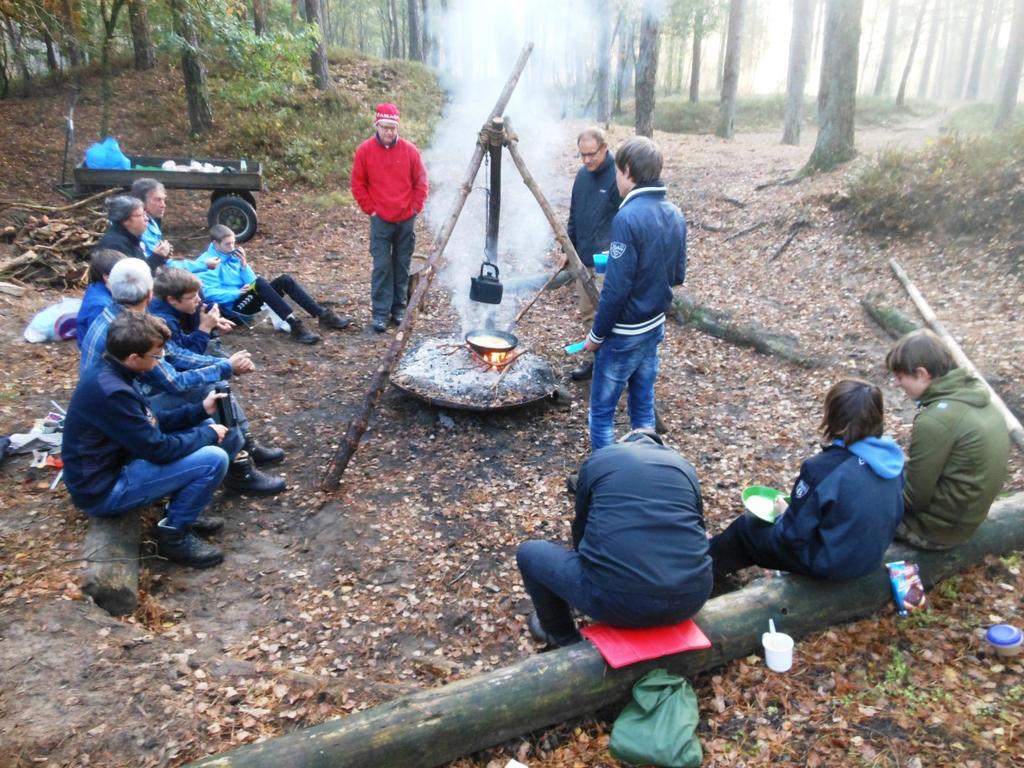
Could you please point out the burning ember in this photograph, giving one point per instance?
(450, 372)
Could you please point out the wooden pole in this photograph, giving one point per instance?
(1012, 424)
(537, 295)
(579, 270)
(434, 726)
(358, 425)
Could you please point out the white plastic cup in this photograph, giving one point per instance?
(778, 651)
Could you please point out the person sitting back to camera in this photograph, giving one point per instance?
(234, 285)
(844, 507)
(97, 296)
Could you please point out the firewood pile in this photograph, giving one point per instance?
(53, 251)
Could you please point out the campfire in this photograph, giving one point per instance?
(493, 349)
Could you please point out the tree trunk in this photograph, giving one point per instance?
(889, 319)
(52, 63)
(940, 81)
(799, 47)
(142, 41)
(842, 40)
(393, 32)
(21, 59)
(885, 65)
(318, 56)
(193, 71)
(902, 92)
(731, 71)
(698, 40)
(604, 61)
(866, 57)
(259, 17)
(647, 69)
(109, 19)
(112, 554)
(71, 22)
(1011, 69)
(965, 49)
(974, 81)
(429, 44)
(624, 71)
(929, 56)
(434, 726)
(415, 27)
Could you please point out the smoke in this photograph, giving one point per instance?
(482, 42)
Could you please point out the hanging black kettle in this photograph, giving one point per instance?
(486, 288)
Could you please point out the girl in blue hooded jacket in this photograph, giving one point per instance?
(844, 506)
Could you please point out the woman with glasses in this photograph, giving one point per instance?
(127, 222)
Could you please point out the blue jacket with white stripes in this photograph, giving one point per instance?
(647, 256)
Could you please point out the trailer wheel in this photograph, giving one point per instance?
(236, 214)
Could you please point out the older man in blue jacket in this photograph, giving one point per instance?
(647, 256)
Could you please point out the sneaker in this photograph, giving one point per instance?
(584, 372)
(330, 321)
(380, 325)
(397, 318)
(181, 545)
(300, 333)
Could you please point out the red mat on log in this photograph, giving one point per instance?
(622, 647)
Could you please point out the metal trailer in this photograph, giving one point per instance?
(232, 201)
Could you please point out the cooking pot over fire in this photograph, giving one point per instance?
(485, 341)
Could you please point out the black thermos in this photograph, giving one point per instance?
(225, 411)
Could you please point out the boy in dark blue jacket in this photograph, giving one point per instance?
(646, 257)
(844, 506)
(119, 455)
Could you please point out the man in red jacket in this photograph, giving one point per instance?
(390, 184)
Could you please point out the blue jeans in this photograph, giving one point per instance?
(556, 582)
(622, 361)
(391, 246)
(190, 482)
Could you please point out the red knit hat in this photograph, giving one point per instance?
(387, 111)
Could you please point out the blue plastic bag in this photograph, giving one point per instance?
(106, 154)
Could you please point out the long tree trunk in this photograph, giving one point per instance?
(990, 69)
(698, 41)
(965, 49)
(52, 63)
(929, 56)
(604, 61)
(109, 19)
(731, 71)
(142, 40)
(71, 22)
(415, 29)
(14, 33)
(974, 81)
(318, 56)
(647, 69)
(799, 48)
(259, 17)
(193, 71)
(435, 726)
(902, 93)
(624, 70)
(885, 65)
(394, 35)
(866, 58)
(940, 81)
(842, 40)
(1011, 70)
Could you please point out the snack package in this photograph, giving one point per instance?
(907, 589)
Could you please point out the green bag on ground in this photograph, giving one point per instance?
(659, 726)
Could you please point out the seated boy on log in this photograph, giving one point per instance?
(640, 551)
(97, 296)
(844, 507)
(234, 285)
(119, 455)
(959, 446)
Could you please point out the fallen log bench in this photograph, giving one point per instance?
(112, 557)
(432, 727)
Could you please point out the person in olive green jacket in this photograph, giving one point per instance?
(959, 447)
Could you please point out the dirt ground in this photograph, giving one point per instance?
(405, 578)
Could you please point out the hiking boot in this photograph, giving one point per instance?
(261, 455)
(380, 324)
(398, 317)
(205, 525)
(570, 484)
(541, 635)
(181, 545)
(300, 333)
(333, 322)
(584, 372)
(243, 477)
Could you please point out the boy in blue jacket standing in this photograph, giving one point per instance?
(844, 506)
(647, 256)
(119, 455)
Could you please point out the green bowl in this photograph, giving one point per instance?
(755, 498)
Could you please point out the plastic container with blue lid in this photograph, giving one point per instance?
(1004, 639)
